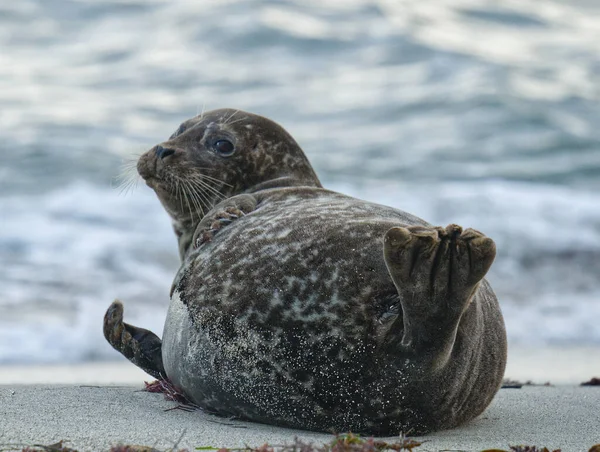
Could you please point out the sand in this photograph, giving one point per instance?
(94, 406)
(92, 418)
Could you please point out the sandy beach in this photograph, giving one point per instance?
(94, 406)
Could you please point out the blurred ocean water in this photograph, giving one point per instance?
(481, 113)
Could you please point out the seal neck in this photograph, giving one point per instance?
(185, 227)
(284, 182)
(185, 237)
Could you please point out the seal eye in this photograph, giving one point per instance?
(224, 147)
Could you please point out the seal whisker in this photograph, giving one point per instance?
(191, 194)
(204, 196)
(236, 121)
(188, 198)
(226, 121)
(206, 176)
(128, 177)
(201, 184)
(198, 202)
(178, 194)
(208, 185)
(202, 173)
(201, 191)
(198, 210)
(127, 185)
(185, 196)
(207, 196)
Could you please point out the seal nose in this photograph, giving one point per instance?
(161, 152)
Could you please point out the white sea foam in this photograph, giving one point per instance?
(68, 258)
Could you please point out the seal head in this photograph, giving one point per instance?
(217, 155)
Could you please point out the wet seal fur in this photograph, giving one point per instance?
(306, 308)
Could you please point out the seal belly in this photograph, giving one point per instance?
(285, 377)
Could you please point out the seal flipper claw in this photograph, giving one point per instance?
(140, 346)
(222, 215)
(436, 272)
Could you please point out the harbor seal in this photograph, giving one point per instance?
(302, 307)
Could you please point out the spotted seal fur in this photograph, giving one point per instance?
(301, 307)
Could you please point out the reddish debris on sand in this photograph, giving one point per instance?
(170, 391)
(58, 447)
(531, 449)
(122, 448)
(133, 449)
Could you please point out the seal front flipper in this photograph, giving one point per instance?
(221, 215)
(140, 346)
(436, 272)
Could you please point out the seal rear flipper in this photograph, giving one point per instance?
(436, 272)
(140, 346)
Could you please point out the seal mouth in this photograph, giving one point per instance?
(151, 181)
(160, 186)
